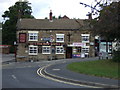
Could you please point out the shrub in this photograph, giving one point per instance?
(116, 56)
(12, 49)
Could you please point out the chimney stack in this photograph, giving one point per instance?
(90, 16)
(50, 15)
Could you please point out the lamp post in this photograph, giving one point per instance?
(100, 47)
(15, 45)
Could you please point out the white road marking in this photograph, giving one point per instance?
(56, 69)
(13, 76)
(39, 72)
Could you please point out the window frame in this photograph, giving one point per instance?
(58, 36)
(33, 50)
(34, 36)
(86, 49)
(59, 48)
(46, 47)
(85, 36)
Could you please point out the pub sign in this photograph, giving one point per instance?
(22, 37)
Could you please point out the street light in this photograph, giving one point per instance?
(15, 44)
(99, 46)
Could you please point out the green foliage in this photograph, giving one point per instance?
(107, 24)
(12, 49)
(116, 56)
(15, 12)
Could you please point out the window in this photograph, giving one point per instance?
(59, 50)
(59, 37)
(33, 35)
(78, 49)
(33, 50)
(85, 37)
(46, 50)
(86, 50)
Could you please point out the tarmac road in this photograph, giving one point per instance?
(28, 78)
(60, 70)
(24, 75)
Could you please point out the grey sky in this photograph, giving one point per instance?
(41, 8)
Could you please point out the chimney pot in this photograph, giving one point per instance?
(90, 16)
(50, 15)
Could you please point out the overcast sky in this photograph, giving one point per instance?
(41, 8)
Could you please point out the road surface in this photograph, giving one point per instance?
(24, 75)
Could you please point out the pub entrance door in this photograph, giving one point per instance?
(69, 52)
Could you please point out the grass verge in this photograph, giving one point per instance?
(102, 68)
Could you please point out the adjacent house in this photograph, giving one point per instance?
(47, 39)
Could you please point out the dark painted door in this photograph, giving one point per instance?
(69, 52)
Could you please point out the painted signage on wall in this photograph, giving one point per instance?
(42, 43)
(45, 38)
(22, 37)
(50, 39)
(78, 44)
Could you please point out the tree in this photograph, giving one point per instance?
(107, 24)
(15, 12)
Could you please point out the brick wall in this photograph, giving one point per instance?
(23, 48)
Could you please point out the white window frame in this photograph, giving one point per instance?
(34, 35)
(58, 48)
(33, 48)
(58, 36)
(43, 47)
(85, 36)
(85, 49)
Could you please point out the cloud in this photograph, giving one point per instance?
(41, 8)
(4, 5)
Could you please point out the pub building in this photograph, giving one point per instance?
(48, 39)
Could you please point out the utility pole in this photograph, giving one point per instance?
(106, 49)
(99, 46)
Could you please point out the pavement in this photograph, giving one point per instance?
(7, 58)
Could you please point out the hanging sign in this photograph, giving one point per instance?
(22, 37)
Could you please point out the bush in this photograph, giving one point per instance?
(12, 49)
(116, 56)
